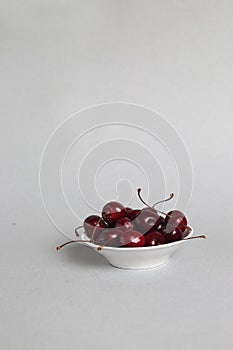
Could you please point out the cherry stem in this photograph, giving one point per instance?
(75, 241)
(76, 230)
(104, 244)
(164, 200)
(140, 197)
(142, 200)
(95, 228)
(201, 236)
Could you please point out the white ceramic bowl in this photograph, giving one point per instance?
(137, 258)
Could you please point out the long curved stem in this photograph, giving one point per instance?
(69, 242)
(95, 228)
(164, 200)
(142, 200)
(139, 190)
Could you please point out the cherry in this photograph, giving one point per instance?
(124, 224)
(112, 211)
(154, 229)
(162, 224)
(173, 235)
(130, 213)
(109, 237)
(186, 232)
(126, 212)
(147, 219)
(154, 238)
(93, 226)
(132, 239)
(176, 219)
(134, 213)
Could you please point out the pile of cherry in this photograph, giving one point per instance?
(121, 226)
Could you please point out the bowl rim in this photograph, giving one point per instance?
(160, 246)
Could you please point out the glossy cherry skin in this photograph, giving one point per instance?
(124, 224)
(132, 239)
(154, 238)
(126, 211)
(162, 223)
(176, 219)
(134, 213)
(147, 219)
(130, 213)
(173, 235)
(186, 232)
(109, 237)
(94, 222)
(112, 211)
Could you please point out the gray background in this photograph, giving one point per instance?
(61, 56)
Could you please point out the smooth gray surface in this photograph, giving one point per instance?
(57, 57)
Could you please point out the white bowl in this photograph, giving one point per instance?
(137, 258)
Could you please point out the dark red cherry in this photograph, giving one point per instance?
(173, 235)
(109, 237)
(93, 226)
(176, 219)
(163, 231)
(134, 213)
(126, 211)
(147, 219)
(111, 212)
(124, 224)
(186, 232)
(132, 239)
(130, 213)
(162, 224)
(154, 238)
